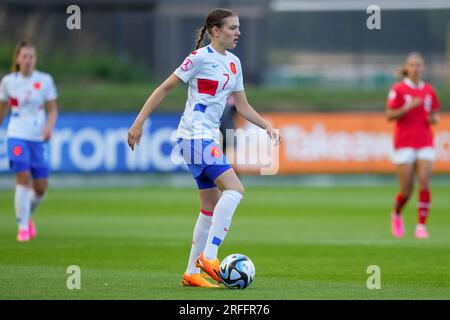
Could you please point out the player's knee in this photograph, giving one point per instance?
(239, 188)
(208, 205)
(235, 186)
(406, 193)
(23, 178)
(40, 192)
(424, 184)
(407, 190)
(40, 189)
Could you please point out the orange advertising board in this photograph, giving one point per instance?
(345, 143)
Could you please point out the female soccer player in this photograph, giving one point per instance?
(213, 73)
(413, 104)
(28, 92)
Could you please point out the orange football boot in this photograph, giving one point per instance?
(197, 280)
(210, 267)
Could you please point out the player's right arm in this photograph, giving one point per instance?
(396, 108)
(135, 131)
(395, 114)
(3, 102)
(186, 71)
(3, 111)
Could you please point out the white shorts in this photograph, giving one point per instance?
(410, 155)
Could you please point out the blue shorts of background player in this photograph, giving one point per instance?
(29, 156)
(204, 159)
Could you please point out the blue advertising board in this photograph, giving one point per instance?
(95, 142)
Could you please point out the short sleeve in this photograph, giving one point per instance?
(51, 93)
(239, 86)
(435, 101)
(3, 93)
(393, 99)
(189, 67)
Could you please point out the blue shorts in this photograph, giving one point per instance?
(204, 159)
(30, 156)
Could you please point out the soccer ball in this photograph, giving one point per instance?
(237, 271)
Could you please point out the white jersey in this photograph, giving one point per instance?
(27, 97)
(212, 78)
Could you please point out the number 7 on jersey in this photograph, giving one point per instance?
(228, 79)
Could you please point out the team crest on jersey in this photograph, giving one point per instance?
(17, 151)
(13, 102)
(186, 65)
(215, 152)
(37, 85)
(233, 68)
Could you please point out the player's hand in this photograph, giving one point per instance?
(134, 135)
(47, 133)
(274, 135)
(416, 102)
(433, 118)
(413, 104)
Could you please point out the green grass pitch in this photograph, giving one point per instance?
(306, 243)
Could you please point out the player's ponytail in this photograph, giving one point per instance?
(403, 72)
(200, 37)
(213, 19)
(21, 44)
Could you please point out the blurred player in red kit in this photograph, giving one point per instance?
(413, 105)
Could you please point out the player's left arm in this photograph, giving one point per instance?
(52, 108)
(52, 115)
(4, 106)
(433, 117)
(3, 110)
(247, 111)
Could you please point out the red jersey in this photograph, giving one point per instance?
(413, 130)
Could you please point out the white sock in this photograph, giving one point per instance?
(23, 206)
(35, 200)
(201, 232)
(223, 212)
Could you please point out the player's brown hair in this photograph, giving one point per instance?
(402, 71)
(213, 19)
(21, 44)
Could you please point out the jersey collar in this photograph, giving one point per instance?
(412, 85)
(212, 50)
(21, 76)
